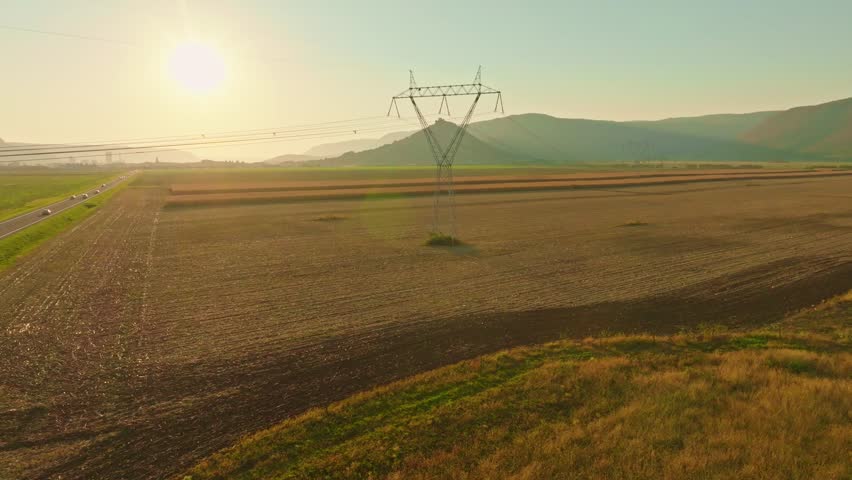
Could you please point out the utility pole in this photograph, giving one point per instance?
(444, 156)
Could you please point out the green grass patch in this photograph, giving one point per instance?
(751, 341)
(797, 366)
(18, 244)
(443, 240)
(22, 193)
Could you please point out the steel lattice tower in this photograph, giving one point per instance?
(445, 155)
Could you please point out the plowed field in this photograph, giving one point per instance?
(147, 337)
(194, 194)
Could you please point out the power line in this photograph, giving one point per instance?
(150, 150)
(196, 135)
(69, 35)
(173, 145)
(59, 148)
(235, 136)
(92, 38)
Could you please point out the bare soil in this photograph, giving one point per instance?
(354, 189)
(147, 338)
(237, 187)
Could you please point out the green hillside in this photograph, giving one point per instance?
(822, 129)
(801, 134)
(550, 139)
(335, 149)
(729, 126)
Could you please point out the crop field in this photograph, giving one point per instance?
(23, 192)
(166, 178)
(198, 176)
(206, 194)
(148, 337)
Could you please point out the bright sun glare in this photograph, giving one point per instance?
(196, 66)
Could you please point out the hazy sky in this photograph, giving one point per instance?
(296, 62)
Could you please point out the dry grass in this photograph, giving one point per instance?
(767, 404)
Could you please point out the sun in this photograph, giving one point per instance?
(197, 67)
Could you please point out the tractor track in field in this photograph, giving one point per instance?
(145, 339)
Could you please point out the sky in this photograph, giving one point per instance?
(290, 63)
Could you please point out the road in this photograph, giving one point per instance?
(21, 222)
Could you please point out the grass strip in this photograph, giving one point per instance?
(18, 244)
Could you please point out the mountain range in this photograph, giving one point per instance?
(811, 133)
(330, 150)
(814, 133)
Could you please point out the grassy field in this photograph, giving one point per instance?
(766, 404)
(28, 190)
(18, 244)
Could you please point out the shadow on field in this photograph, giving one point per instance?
(217, 401)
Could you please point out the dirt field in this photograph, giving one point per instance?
(204, 194)
(147, 338)
(327, 184)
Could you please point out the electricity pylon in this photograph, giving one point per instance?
(445, 155)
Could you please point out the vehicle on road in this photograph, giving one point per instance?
(46, 212)
(72, 197)
(97, 191)
(103, 185)
(85, 195)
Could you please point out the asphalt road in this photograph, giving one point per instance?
(21, 222)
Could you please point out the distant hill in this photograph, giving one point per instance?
(289, 158)
(413, 150)
(538, 138)
(821, 129)
(330, 150)
(728, 126)
(548, 139)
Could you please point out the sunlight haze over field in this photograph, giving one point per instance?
(258, 64)
(198, 67)
(455, 239)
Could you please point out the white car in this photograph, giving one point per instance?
(46, 212)
(97, 191)
(85, 195)
(103, 185)
(72, 197)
